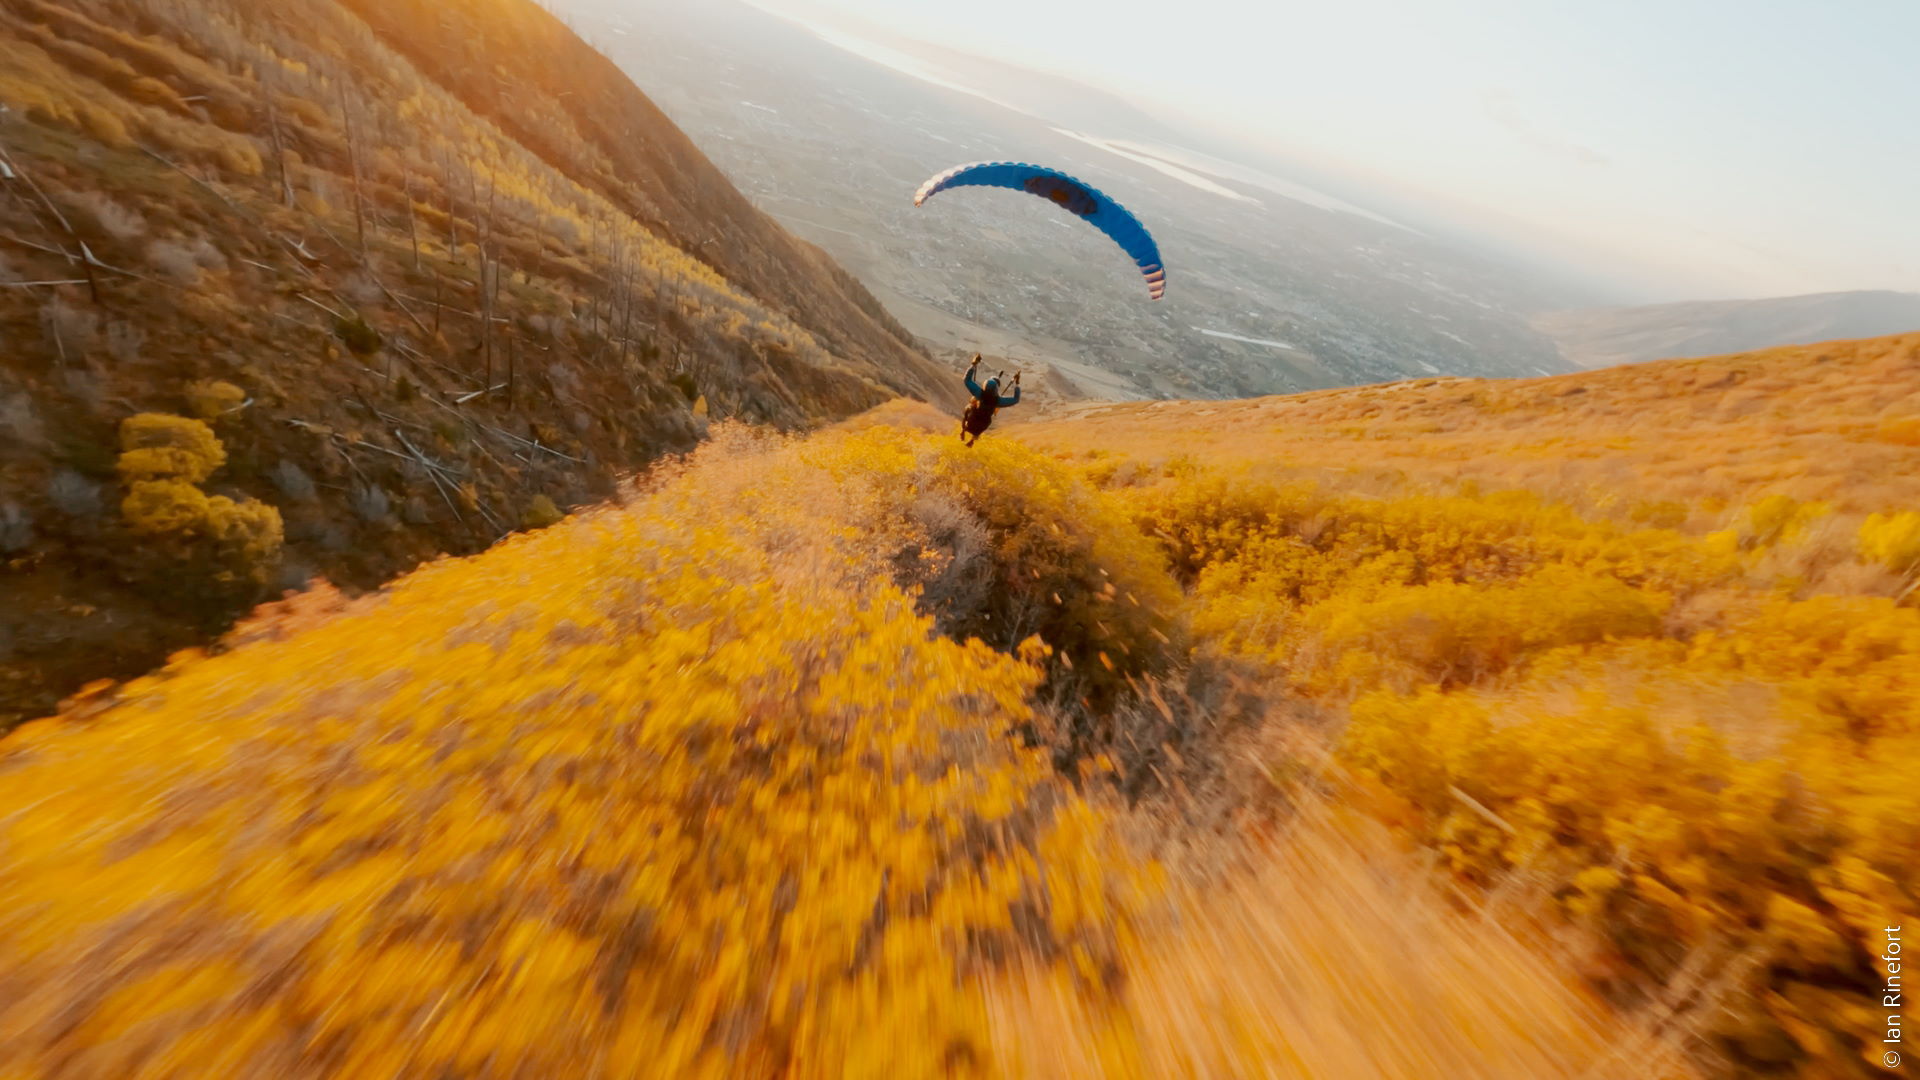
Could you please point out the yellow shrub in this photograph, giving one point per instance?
(1674, 806)
(1892, 540)
(240, 157)
(310, 113)
(158, 446)
(1451, 633)
(1776, 518)
(223, 541)
(1856, 659)
(151, 91)
(162, 462)
(1730, 779)
(212, 399)
(164, 506)
(1269, 559)
(248, 534)
(1004, 543)
(1214, 517)
(1661, 513)
(660, 772)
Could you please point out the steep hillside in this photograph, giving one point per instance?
(425, 272)
(519, 67)
(1602, 337)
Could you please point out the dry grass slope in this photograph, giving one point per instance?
(417, 291)
(1837, 423)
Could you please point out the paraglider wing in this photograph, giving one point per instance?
(1077, 198)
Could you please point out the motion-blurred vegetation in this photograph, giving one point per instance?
(1660, 670)
(769, 770)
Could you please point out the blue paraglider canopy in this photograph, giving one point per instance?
(1077, 198)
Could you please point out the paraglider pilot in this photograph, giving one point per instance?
(986, 402)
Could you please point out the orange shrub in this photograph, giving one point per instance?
(1902, 432)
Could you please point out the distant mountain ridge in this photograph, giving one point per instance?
(1603, 337)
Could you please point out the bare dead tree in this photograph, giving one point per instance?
(59, 339)
(353, 160)
(493, 203)
(473, 200)
(489, 274)
(490, 256)
(593, 254)
(617, 253)
(512, 354)
(86, 260)
(453, 219)
(413, 223)
(626, 328)
(268, 88)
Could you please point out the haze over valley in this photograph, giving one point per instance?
(1631, 335)
(1273, 286)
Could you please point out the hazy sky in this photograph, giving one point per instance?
(1703, 147)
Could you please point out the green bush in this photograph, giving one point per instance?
(360, 338)
(540, 513)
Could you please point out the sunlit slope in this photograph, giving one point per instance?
(1838, 422)
(1639, 649)
(688, 787)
